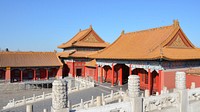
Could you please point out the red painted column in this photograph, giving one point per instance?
(159, 82)
(112, 80)
(8, 74)
(149, 81)
(120, 76)
(47, 74)
(84, 71)
(96, 74)
(101, 78)
(73, 69)
(141, 82)
(34, 74)
(130, 69)
(21, 75)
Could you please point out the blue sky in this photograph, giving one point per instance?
(42, 25)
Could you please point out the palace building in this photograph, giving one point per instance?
(153, 54)
(24, 66)
(75, 51)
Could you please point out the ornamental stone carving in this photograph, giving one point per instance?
(180, 80)
(133, 86)
(59, 94)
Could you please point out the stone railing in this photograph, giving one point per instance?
(85, 81)
(177, 101)
(100, 100)
(159, 102)
(24, 101)
(193, 93)
(115, 107)
(82, 84)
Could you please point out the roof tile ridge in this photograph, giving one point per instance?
(84, 30)
(73, 37)
(98, 36)
(151, 29)
(27, 52)
(84, 35)
(175, 30)
(92, 30)
(192, 45)
(179, 47)
(161, 44)
(107, 46)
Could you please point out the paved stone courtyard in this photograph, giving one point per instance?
(39, 106)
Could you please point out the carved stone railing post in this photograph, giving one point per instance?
(146, 93)
(134, 92)
(59, 96)
(133, 86)
(99, 100)
(29, 108)
(180, 81)
(44, 110)
(193, 85)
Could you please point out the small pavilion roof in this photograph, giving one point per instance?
(168, 42)
(85, 38)
(29, 59)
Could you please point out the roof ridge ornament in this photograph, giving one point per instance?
(80, 30)
(122, 33)
(176, 22)
(91, 26)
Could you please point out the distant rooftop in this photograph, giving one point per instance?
(85, 38)
(28, 59)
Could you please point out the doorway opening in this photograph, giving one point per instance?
(78, 72)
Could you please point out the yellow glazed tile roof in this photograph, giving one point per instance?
(28, 59)
(167, 42)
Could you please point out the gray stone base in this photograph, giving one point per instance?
(61, 110)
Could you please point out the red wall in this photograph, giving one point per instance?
(79, 65)
(192, 78)
(169, 79)
(107, 71)
(90, 71)
(70, 66)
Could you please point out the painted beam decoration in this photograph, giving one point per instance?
(153, 65)
(180, 64)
